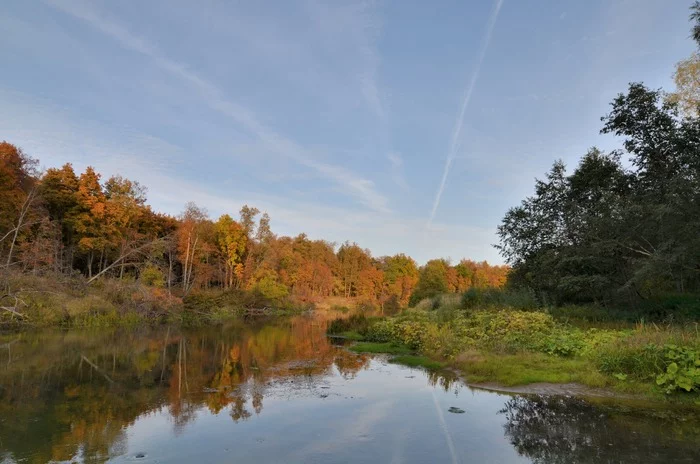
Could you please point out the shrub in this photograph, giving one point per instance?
(563, 342)
(270, 289)
(682, 370)
(152, 276)
(509, 330)
(641, 363)
(441, 341)
(380, 332)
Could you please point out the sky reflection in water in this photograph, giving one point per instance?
(280, 392)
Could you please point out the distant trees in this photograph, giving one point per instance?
(67, 222)
(432, 280)
(353, 260)
(438, 277)
(400, 277)
(17, 195)
(232, 242)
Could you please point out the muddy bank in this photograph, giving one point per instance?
(565, 389)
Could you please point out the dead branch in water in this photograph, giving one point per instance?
(99, 371)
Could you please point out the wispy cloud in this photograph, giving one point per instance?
(457, 131)
(362, 189)
(397, 169)
(353, 27)
(57, 134)
(359, 25)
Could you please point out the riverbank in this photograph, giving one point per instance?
(70, 302)
(507, 348)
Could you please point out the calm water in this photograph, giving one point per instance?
(281, 392)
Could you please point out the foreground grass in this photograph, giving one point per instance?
(526, 368)
(512, 348)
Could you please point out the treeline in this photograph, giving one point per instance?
(67, 223)
(624, 225)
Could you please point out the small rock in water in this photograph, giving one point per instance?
(140, 455)
(455, 410)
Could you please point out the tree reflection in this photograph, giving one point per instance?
(65, 394)
(551, 430)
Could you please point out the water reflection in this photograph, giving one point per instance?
(92, 397)
(67, 394)
(564, 430)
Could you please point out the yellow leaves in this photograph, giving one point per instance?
(238, 271)
(687, 78)
(235, 353)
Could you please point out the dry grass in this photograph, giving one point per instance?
(326, 304)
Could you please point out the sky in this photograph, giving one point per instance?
(403, 125)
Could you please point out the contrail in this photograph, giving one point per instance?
(446, 431)
(456, 132)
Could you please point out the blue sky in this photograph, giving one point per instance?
(407, 126)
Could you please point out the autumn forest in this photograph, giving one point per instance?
(60, 222)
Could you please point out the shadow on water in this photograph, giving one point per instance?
(83, 395)
(552, 429)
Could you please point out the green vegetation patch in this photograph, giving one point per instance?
(526, 368)
(513, 347)
(417, 361)
(389, 348)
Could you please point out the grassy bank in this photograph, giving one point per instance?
(62, 301)
(508, 346)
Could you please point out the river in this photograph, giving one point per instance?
(279, 391)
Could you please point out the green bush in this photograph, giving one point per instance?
(269, 288)
(563, 342)
(508, 330)
(638, 362)
(152, 276)
(682, 370)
